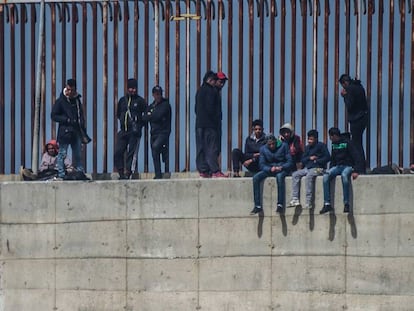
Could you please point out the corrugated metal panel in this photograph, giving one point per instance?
(283, 59)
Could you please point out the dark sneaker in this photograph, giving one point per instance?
(280, 209)
(346, 208)
(256, 210)
(326, 208)
(204, 175)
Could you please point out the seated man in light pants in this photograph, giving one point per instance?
(346, 162)
(314, 161)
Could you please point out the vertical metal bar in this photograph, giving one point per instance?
(146, 75)
(23, 21)
(43, 96)
(325, 67)
(115, 67)
(230, 81)
(347, 48)
(251, 59)
(304, 54)
(412, 94)
(177, 83)
(369, 79)
(379, 81)
(126, 41)
(282, 65)
(208, 36)
(12, 80)
(32, 68)
(167, 48)
(336, 67)
(219, 35)
(315, 64)
(2, 94)
(187, 88)
(401, 79)
(35, 147)
(240, 78)
(74, 35)
(358, 38)
(261, 62)
(272, 65)
(105, 87)
(85, 69)
(293, 61)
(156, 41)
(390, 81)
(198, 75)
(94, 84)
(63, 42)
(53, 62)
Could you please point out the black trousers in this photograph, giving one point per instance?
(238, 157)
(207, 145)
(128, 142)
(159, 146)
(357, 129)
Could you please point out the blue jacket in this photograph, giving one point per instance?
(321, 151)
(280, 156)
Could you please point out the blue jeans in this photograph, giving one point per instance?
(259, 177)
(76, 146)
(345, 172)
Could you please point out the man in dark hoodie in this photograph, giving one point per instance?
(344, 162)
(129, 112)
(68, 112)
(250, 157)
(158, 114)
(294, 141)
(208, 127)
(357, 107)
(314, 159)
(275, 160)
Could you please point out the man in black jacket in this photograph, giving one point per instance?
(68, 112)
(344, 162)
(357, 107)
(129, 112)
(250, 157)
(158, 114)
(208, 127)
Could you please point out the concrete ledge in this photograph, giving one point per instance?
(190, 244)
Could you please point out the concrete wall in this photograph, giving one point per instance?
(190, 244)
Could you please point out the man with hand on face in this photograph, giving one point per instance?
(357, 107)
(158, 114)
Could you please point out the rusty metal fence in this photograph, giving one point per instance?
(283, 59)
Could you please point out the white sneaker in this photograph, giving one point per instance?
(294, 202)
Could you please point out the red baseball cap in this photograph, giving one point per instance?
(221, 75)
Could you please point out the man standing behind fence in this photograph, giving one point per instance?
(208, 127)
(129, 113)
(68, 112)
(357, 107)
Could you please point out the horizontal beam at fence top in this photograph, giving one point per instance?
(71, 1)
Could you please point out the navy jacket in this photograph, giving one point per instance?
(321, 151)
(278, 157)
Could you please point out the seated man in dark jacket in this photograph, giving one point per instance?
(250, 157)
(345, 161)
(275, 160)
(314, 159)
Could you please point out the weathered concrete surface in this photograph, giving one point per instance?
(190, 244)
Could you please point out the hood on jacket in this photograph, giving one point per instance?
(54, 144)
(287, 126)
